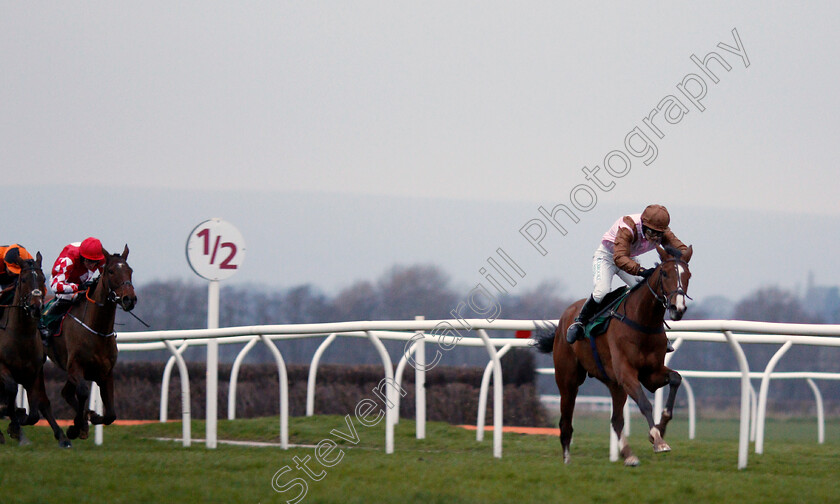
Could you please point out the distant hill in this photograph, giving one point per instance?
(331, 240)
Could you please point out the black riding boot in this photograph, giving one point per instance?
(575, 331)
(51, 317)
(45, 334)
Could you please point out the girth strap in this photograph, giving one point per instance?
(635, 325)
(597, 357)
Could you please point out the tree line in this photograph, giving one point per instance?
(402, 292)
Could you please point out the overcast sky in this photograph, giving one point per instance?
(480, 101)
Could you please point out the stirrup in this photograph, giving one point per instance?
(670, 347)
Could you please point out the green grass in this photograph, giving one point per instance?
(447, 467)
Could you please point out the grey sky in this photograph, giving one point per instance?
(481, 101)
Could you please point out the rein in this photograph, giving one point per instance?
(112, 297)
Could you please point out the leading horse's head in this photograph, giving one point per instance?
(32, 286)
(673, 280)
(116, 276)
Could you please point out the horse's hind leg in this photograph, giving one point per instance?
(39, 396)
(568, 383)
(619, 398)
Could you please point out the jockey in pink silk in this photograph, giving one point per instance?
(628, 238)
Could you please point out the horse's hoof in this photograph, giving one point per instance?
(84, 435)
(663, 448)
(632, 461)
(64, 444)
(24, 441)
(73, 432)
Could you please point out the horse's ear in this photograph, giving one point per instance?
(105, 252)
(663, 254)
(125, 252)
(38, 259)
(687, 256)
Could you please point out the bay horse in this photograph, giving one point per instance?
(630, 354)
(22, 355)
(86, 346)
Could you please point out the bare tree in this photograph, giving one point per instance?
(407, 291)
(772, 304)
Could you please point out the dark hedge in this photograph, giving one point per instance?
(451, 392)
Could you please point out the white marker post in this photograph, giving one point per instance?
(215, 251)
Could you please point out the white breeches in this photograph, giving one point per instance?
(603, 271)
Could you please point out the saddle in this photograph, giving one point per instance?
(54, 313)
(599, 322)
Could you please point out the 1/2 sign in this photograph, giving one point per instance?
(215, 249)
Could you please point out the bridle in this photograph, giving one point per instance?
(665, 297)
(26, 299)
(112, 296)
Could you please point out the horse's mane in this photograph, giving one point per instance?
(672, 251)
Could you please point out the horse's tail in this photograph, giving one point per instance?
(544, 338)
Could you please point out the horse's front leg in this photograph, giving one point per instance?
(10, 389)
(633, 387)
(76, 393)
(619, 398)
(673, 379)
(106, 391)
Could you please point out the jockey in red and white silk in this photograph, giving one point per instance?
(78, 263)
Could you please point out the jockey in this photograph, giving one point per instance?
(77, 266)
(10, 255)
(629, 237)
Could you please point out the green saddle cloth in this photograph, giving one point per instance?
(49, 317)
(601, 321)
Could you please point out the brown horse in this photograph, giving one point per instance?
(630, 354)
(86, 347)
(22, 356)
